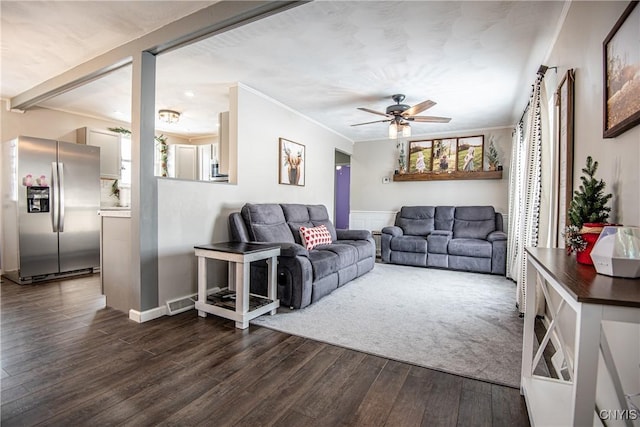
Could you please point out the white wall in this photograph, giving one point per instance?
(374, 160)
(618, 157)
(192, 213)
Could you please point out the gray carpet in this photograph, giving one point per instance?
(462, 323)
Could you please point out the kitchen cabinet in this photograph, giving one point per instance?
(109, 143)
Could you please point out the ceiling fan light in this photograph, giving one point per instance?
(393, 130)
(406, 130)
(168, 116)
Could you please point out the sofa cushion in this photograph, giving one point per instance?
(444, 217)
(323, 263)
(474, 222)
(314, 236)
(318, 215)
(266, 223)
(470, 247)
(409, 244)
(296, 216)
(347, 254)
(416, 220)
(364, 248)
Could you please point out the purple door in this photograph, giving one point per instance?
(343, 183)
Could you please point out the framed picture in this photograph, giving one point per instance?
(471, 153)
(444, 155)
(621, 87)
(564, 114)
(420, 155)
(291, 162)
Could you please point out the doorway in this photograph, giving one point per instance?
(342, 189)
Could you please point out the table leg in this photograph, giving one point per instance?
(587, 349)
(242, 293)
(529, 322)
(231, 266)
(202, 283)
(272, 270)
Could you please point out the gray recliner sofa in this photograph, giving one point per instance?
(304, 276)
(467, 238)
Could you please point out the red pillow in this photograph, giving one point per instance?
(312, 237)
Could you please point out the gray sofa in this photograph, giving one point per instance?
(304, 276)
(467, 238)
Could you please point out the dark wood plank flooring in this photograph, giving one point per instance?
(68, 360)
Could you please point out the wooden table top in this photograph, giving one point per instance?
(583, 282)
(238, 247)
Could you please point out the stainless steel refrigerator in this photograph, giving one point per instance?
(51, 198)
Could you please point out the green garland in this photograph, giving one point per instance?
(161, 141)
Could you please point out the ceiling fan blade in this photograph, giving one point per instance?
(429, 119)
(418, 108)
(368, 123)
(373, 111)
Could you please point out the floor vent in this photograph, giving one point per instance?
(181, 305)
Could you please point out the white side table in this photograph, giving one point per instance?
(236, 302)
(590, 298)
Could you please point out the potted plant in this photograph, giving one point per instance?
(492, 156)
(588, 214)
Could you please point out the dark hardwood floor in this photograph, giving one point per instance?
(69, 361)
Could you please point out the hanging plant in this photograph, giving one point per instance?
(115, 190)
(163, 148)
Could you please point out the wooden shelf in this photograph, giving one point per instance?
(438, 176)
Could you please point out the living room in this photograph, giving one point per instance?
(187, 213)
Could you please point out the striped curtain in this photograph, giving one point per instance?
(524, 191)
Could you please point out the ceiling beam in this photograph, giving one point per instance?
(214, 19)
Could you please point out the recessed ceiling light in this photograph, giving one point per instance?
(189, 94)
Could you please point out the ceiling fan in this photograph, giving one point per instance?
(399, 115)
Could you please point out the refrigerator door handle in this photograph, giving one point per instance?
(61, 198)
(54, 196)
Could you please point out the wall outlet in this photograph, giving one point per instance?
(386, 180)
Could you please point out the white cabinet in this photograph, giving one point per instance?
(109, 143)
(115, 259)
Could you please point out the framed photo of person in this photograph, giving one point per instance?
(420, 156)
(444, 155)
(471, 153)
(291, 162)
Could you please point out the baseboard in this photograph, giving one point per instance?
(145, 316)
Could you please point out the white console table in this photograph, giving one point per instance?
(235, 302)
(593, 298)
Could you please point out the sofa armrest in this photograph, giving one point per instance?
(291, 249)
(495, 236)
(393, 230)
(353, 234)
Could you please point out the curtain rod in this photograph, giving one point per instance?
(540, 73)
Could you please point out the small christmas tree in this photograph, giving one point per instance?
(588, 204)
(492, 155)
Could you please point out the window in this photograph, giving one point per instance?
(125, 160)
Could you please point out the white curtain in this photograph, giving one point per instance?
(524, 191)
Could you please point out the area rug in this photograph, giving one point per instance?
(461, 323)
